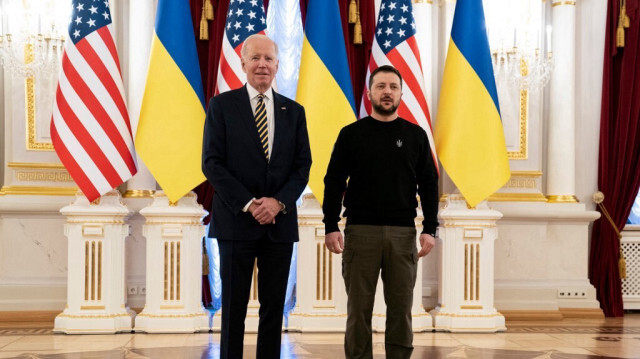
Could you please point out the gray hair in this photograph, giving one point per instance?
(243, 51)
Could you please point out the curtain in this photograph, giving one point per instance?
(618, 170)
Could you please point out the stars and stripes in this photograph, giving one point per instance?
(90, 127)
(244, 18)
(395, 44)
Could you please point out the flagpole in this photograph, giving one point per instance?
(142, 185)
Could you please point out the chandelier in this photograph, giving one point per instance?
(32, 36)
(520, 42)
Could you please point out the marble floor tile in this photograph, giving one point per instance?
(8, 339)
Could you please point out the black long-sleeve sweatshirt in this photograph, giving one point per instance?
(380, 165)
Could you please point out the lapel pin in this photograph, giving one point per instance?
(283, 108)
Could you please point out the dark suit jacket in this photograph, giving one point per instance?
(234, 163)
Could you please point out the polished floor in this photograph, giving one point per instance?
(571, 338)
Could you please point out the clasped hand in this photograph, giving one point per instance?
(265, 210)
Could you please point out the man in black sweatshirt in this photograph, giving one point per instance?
(378, 163)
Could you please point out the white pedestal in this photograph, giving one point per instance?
(174, 267)
(466, 265)
(96, 280)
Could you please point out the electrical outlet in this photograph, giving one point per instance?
(569, 293)
(132, 290)
(142, 290)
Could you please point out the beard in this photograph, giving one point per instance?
(377, 106)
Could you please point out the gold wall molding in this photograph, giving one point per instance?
(38, 190)
(139, 193)
(43, 176)
(509, 197)
(569, 198)
(522, 152)
(36, 165)
(422, 2)
(526, 174)
(517, 197)
(515, 182)
(562, 3)
(92, 307)
(30, 107)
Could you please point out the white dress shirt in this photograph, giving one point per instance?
(268, 104)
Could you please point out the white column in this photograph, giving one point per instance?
(141, 25)
(174, 267)
(466, 269)
(96, 298)
(561, 155)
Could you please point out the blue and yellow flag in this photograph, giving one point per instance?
(324, 87)
(468, 132)
(169, 135)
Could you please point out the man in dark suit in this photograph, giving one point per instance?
(256, 155)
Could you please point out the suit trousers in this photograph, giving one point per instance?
(237, 258)
(368, 251)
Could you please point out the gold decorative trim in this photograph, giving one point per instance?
(36, 165)
(30, 107)
(560, 3)
(193, 315)
(526, 173)
(92, 307)
(318, 258)
(100, 270)
(43, 176)
(95, 220)
(94, 316)
(324, 307)
(422, 2)
(178, 280)
(86, 271)
(169, 307)
(471, 307)
(39, 190)
(139, 193)
(522, 153)
(562, 199)
(517, 197)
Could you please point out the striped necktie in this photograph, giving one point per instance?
(261, 124)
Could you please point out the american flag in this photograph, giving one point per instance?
(395, 44)
(90, 127)
(245, 18)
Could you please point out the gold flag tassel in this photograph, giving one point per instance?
(626, 21)
(598, 198)
(357, 29)
(352, 12)
(204, 25)
(620, 29)
(205, 259)
(208, 8)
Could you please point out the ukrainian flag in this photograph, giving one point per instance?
(324, 85)
(169, 134)
(468, 132)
